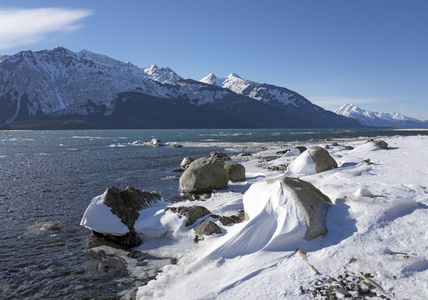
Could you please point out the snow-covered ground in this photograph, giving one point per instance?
(377, 224)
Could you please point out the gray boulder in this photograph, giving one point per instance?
(204, 175)
(235, 171)
(302, 148)
(322, 159)
(126, 204)
(312, 202)
(206, 228)
(191, 213)
(381, 144)
(185, 163)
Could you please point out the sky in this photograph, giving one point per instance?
(371, 53)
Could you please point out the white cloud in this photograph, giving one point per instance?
(20, 27)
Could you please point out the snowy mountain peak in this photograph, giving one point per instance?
(233, 75)
(161, 74)
(376, 119)
(212, 79)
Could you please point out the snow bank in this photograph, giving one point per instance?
(302, 165)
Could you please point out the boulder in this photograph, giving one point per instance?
(113, 214)
(282, 214)
(235, 171)
(185, 163)
(204, 175)
(312, 161)
(191, 213)
(218, 154)
(322, 159)
(175, 145)
(156, 142)
(380, 144)
(206, 228)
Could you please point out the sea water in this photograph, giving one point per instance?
(48, 178)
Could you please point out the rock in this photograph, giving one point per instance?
(322, 159)
(48, 226)
(185, 163)
(218, 154)
(335, 144)
(226, 220)
(245, 154)
(113, 214)
(204, 175)
(327, 147)
(179, 170)
(191, 213)
(301, 148)
(235, 171)
(349, 147)
(381, 144)
(312, 202)
(175, 145)
(206, 228)
(156, 142)
(283, 151)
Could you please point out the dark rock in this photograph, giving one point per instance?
(301, 148)
(283, 151)
(126, 204)
(185, 163)
(226, 220)
(179, 170)
(218, 154)
(245, 154)
(191, 213)
(327, 146)
(349, 147)
(235, 171)
(206, 228)
(48, 226)
(204, 175)
(335, 144)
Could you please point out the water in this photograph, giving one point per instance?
(48, 178)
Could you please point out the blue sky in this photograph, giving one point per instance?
(372, 53)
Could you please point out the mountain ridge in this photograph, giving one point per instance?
(379, 119)
(63, 85)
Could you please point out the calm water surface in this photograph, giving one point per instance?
(48, 178)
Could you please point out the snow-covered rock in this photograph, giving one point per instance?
(115, 214)
(311, 161)
(282, 213)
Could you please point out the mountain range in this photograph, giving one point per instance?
(379, 119)
(54, 89)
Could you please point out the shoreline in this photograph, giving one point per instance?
(229, 200)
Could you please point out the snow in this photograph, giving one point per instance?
(378, 219)
(98, 217)
(302, 165)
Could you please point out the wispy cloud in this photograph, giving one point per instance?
(331, 101)
(20, 27)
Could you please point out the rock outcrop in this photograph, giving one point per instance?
(203, 176)
(322, 159)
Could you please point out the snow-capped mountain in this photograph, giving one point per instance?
(378, 119)
(59, 84)
(262, 92)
